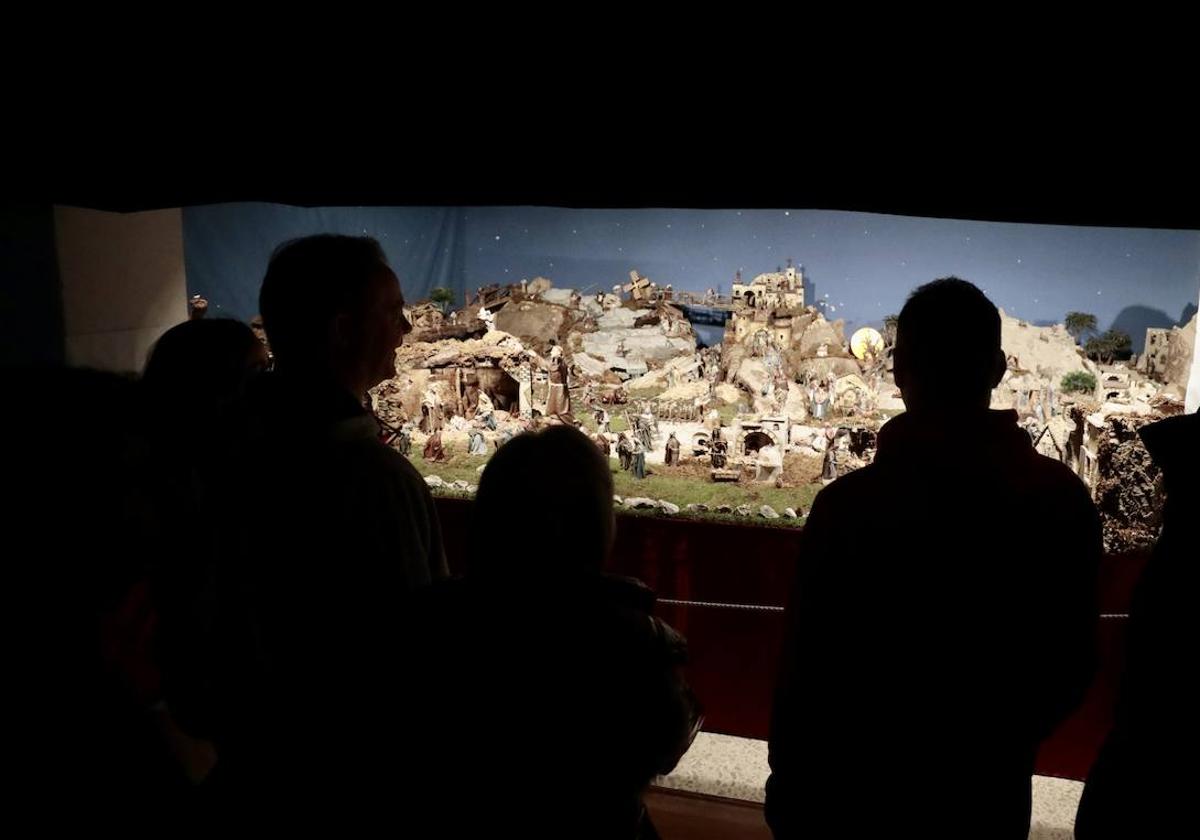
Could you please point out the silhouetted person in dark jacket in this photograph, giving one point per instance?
(323, 531)
(1143, 782)
(195, 373)
(549, 696)
(82, 745)
(943, 621)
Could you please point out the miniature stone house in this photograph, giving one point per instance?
(773, 290)
(754, 435)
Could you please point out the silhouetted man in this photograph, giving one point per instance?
(926, 661)
(324, 531)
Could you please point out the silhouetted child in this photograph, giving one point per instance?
(548, 696)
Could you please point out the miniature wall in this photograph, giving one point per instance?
(123, 283)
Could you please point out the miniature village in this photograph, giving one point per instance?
(755, 424)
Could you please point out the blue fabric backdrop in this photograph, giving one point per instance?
(858, 266)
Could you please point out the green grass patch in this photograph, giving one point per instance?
(616, 423)
(682, 485)
(458, 464)
(728, 413)
(691, 485)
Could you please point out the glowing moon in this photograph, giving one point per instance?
(866, 340)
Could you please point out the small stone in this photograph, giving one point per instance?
(641, 502)
(768, 512)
